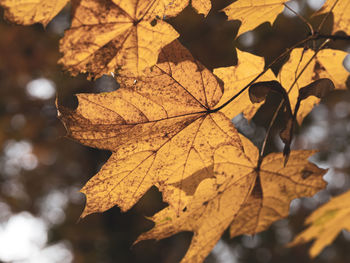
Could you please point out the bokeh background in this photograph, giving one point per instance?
(41, 172)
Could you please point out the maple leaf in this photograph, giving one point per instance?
(160, 128)
(28, 12)
(254, 13)
(108, 35)
(258, 93)
(202, 6)
(328, 63)
(241, 195)
(325, 224)
(341, 12)
(237, 77)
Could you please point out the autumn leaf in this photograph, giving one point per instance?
(160, 128)
(28, 12)
(327, 63)
(202, 6)
(325, 224)
(259, 91)
(237, 77)
(241, 195)
(109, 35)
(254, 13)
(341, 12)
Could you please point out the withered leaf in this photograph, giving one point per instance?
(275, 187)
(327, 63)
(109, 35)
(258, 92)
(159, 127)
(240, 195)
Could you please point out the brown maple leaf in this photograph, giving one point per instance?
(161, 128)
(28, 12)
(242, 195)
(109, 35)
(325, 224)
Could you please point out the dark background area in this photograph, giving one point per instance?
(41, 172)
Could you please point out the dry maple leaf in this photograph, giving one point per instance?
(325, 224)
(108, 35)
(159, 128)
(237, 77)
(239, 196)
(28, 12)
(341, 12)
(254, 13)
(328, 63)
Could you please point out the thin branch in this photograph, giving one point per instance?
(307, 23)
(262, 151)
(333, 37)
(286, 52)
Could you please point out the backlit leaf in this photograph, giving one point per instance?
(202, 6)
(328, 63)
(253, 13)
(159, 128)
(239, 196)
(341, 12)
(237, 77)
(109, 35)
(325, 224)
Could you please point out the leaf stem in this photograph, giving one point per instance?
(268, 132)
(286, 52)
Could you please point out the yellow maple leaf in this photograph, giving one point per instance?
(253, 13)
(240, 195)
(325, 224)
(237, 77)
(109, 35)
(328, 63)
(28, 12)
(202, 6)
(159, 128)
(341, 12)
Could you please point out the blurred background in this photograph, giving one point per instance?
(41, 172)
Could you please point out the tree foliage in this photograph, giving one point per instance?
(169, 124)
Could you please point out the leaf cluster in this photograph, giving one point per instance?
(169, 125)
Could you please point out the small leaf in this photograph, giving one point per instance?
(258, 92)
(254, 13)
(325, 224)
(319, 88)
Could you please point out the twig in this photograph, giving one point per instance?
(307, 23)
(262, 151)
